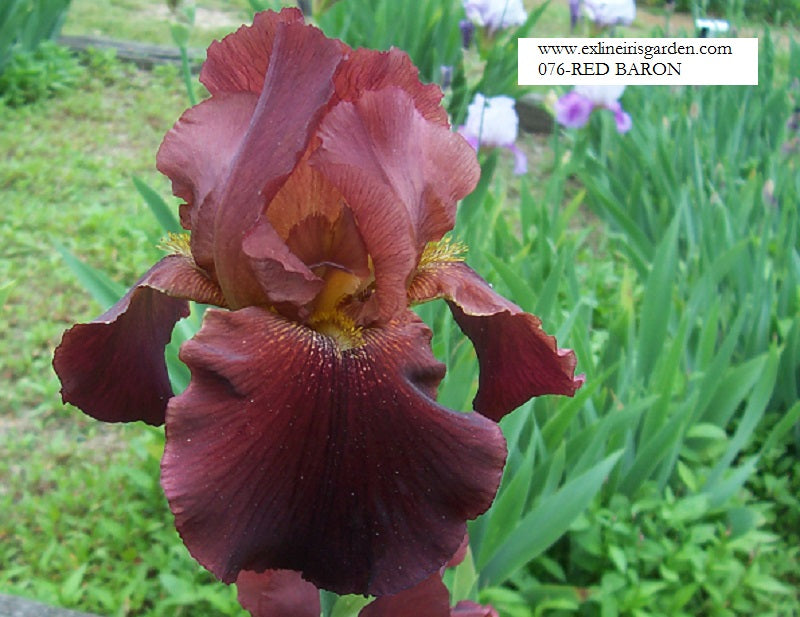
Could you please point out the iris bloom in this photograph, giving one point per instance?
(574, 108)
(604, 13)
(318, 183)
(495, 14)
(493, 122)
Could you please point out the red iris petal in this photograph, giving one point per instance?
(320, 242)
(366, 70)
(283, 277)
(289, 452)
(429, 598)
(277, 593)
(401, 175)
(196, 155)
(460, 554)
(313, 218)
(518, 360)
(297, 87)
(113, 368)
(238, 63)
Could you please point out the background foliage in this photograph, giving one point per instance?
(26, 23)
(668, 258)
(773, 11)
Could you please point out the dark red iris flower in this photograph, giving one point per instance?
(318, 183)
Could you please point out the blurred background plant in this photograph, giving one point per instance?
(31, 65)
(24, 24)
(667, 257)
(778, 12)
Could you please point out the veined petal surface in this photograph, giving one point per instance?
(518, 360)
(196, 154)
(113, 368)
(297, 86)
(366, 70)
(239, 62)
(288, 451)
(401, 175)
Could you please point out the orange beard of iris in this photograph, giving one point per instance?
(327, 318)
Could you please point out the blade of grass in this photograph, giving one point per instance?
(105, 291)
(160, 209)
(545, 523)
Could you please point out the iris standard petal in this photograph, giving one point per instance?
(311, 215)
(296, 89)
(401, 176)
(239, 62)
(281, 275)
(113, 368)
(277, 593)
(196, 154)
(366, 69)
(518, 360)
(290, 451)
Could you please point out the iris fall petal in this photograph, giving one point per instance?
(517, 359)
(277, 593)
(104, 364)
(430, 598)
(288, 451)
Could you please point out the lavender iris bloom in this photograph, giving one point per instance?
(604, 13)
(495, 14)
(493, 122)
(574, 108)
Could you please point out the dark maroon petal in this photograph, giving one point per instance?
(296, 89)
(239, 62)
(180, 277)
(277, 593)
(429, 598)
(196, 154)
(460, 554)
(401, 175)
(113, 368)
(366, 69)
(466, 608)
(288, 451)
(518, 360)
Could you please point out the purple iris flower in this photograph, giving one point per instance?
(492, 122)
(575, 107)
